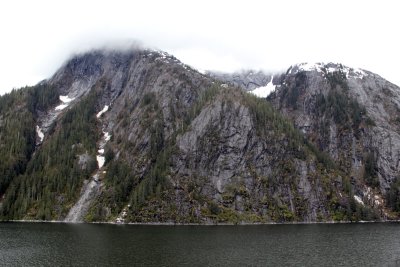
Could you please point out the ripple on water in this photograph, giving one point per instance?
(45, 244)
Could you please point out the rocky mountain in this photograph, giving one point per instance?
(351, 114)
(138, 136)
(246, 79)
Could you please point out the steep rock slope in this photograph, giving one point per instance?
(138, 136)
(353, 115)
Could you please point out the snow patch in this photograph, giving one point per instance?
(372, 198)
(39, 133)
(107, 136)
(122, 216)
(100, 161)
(359, 200)
(264, 91)
(330, 69)
(100, 158)
(307, 67)
(167, 58)
(311, 66)
(321, 67)
(61, 107)
(163, 56)
(65, 99)
(346, 72)
(359, 73)
(65, 102)
(102, 111)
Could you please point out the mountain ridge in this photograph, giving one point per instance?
(157, 141)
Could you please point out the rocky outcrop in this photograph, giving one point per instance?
(382, 102)
(89, 192)
(351, 114)
(245, 172)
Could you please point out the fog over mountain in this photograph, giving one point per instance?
(37, 37)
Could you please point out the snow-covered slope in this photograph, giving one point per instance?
(264, 91)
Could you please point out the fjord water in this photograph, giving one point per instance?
(54, 244)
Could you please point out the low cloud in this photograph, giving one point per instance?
(214, 35)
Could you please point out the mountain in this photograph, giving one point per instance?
(246, 79)
(354, 116)
(138, 136)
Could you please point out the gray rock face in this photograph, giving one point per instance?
(378, 131)
(248, 80)
(89, 192)
(382, 102)
(84, 161)
(233, 127)
(240, 169)
(180, 147)
(220, 156)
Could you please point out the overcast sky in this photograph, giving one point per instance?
(38, 36)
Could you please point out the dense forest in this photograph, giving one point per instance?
(46, 181)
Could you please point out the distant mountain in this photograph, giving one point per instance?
(138, 136)
(247, 79)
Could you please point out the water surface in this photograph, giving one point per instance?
(57, 244)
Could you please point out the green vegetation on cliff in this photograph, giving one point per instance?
(53, 177)
(184, 148)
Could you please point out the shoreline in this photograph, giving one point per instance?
(200, 224)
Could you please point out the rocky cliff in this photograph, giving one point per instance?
(138, 136)
(352, 115)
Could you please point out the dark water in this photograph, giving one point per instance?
(50, 244)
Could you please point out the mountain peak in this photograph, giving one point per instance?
(138, 136)
(326, 68)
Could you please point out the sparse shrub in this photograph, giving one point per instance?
(371, 170)
(393, 196)
(214, 208)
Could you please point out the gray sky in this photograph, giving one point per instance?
(38, 36)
